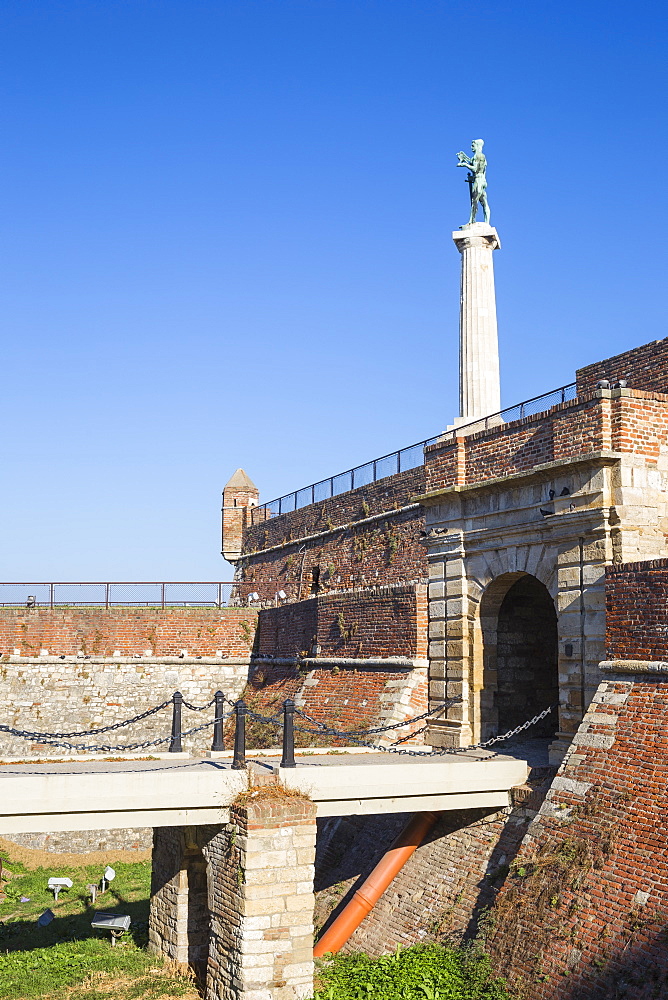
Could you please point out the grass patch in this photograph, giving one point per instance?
(67, 959)
(424, 972)
(83, 970)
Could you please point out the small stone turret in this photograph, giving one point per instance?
(239, 495)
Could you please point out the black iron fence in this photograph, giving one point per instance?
(402, 460)
(208, 594)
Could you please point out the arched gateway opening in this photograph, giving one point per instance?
(519, 625)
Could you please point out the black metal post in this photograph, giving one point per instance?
(219, 710)
(288, 759)
(239, 761)
(175, 743)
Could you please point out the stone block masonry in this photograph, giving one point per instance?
(257, 943)
(127, 631)
(139, 841)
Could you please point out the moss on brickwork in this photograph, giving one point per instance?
(583, 912)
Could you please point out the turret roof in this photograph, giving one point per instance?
(240, 481)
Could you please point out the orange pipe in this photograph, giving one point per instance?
(375, 885)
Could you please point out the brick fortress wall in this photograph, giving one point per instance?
(582, 912)
(580, 886)
(364, 537)
(581, 915)
(644, 367)
(127, 631)
(376, 622)
(355, 578)
(636, 597)
(623, 420)
(345, 698)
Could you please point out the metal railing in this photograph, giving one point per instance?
(402, 460)
(362, 475)
(564, 394)
(119, 594)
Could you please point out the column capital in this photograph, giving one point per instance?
(479, 234)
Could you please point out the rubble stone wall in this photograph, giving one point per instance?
(48, 694)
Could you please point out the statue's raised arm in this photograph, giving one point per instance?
(476, 179)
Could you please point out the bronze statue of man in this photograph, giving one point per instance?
(476, 179)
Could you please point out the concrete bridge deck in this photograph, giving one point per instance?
(104, 794)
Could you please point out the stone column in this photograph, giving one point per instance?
(179, 922)
(449, 639)
(261, 901)
(479, 384)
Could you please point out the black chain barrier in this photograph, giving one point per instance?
(283, 719)
(88, 732)
(126, 747)
(394, 748)
(199, 708)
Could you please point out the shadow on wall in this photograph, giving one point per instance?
(638, 973)
(443, 889)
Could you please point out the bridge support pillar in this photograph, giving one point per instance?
(235, 902)
(261, 900)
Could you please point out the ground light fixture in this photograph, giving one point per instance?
(56, 884)
(116, 923)
(109, 876)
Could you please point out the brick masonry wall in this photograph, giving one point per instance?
(625, 420)
(376, 622)
(289, 630)
(128, 631)
(565, 431)
(639, 423)
(363, 537)
(582, 914)
(644, 367)
(50, 694)
(636, 599)
(376, 498)
(345, 698)
(441, 891)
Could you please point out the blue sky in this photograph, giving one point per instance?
(225, 235)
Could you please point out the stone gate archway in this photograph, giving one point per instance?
(520, 655)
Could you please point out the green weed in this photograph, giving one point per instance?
(425, 972)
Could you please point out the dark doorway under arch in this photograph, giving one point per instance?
(526, 657)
